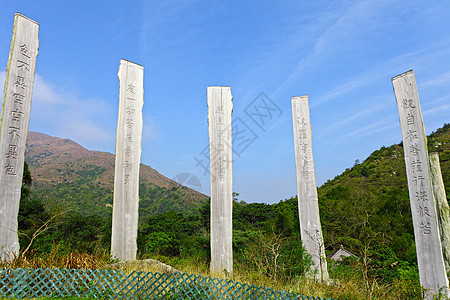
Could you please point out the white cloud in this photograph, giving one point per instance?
(440, 79)
(349, 25)
(61, 113)
(376, 104)
(370, 129)
(443, 110)
(65, 115)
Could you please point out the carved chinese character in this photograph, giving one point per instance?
(305, 173)
(414, 149)
(16, 115)
(23, 65)
(418, 180)
(14, 131)
(408, 103)
(12, 152)
(423, 211)
(126, 178)
(411, 134)
(24, 50)
(18, 98)
(410, 119)
(220, 133)
(131, 88)
(129, 123)
(128, 151)
(127, 165)
(416, 162)
(129, 138)
(129, 110)
(302, 133)
(417, 167)
(10, 170)
(220, 119)
(301, 121)
(221, 168)
(20, 82)
(425, 227)
(422, 196)
(220, 150)
(303, 147)
(305, 162)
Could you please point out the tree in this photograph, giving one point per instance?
(26, 182)
(80, 233)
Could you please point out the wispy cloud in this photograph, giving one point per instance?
(376, 104)
(443, 109)
(357, 24)
(63, 114)
(163, 23)
(370, 129)
(343, 32)
(66, 115)
(438, 79)
(388, 69)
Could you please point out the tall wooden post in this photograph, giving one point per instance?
(220, 107)
(308, 207)
(426, 231)
(442, 208)
(14, 122)
(128, 157)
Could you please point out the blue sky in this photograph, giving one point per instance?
(343, 54)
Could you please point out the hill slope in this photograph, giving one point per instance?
(369, 204)
(68, 175)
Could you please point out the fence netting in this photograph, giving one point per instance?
(111, 284)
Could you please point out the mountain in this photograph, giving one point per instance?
(67, 175)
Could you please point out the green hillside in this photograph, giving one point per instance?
(69, 177)
(369, 203)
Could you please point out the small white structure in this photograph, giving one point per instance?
(341, 254)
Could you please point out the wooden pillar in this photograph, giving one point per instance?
(426, 231)
(14, 122)
(308, 207)
(220, 107)
(128, 158)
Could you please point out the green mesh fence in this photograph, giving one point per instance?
(108, 284)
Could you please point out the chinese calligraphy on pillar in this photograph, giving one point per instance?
(128, 157)
(220, 107)
(310, 228)
(428, 244)
(15, 117)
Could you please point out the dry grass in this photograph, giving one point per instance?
(336, 288)
(341, 288)
(55, 260)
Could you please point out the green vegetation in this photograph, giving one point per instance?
(86, 194)
(366, 209)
